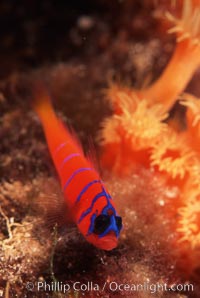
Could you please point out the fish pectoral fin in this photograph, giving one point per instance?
(50, 205)
(59, 216)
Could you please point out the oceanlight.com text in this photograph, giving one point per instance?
(112, 286)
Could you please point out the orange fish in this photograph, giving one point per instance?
(87, 199)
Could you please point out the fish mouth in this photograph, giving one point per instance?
(107, 243)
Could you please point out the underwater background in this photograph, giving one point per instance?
(116, 71)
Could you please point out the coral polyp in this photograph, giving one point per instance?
(172, 155)
(188, 25)
(193, 118)
(185, 59)
(189, 223)
(135, 126)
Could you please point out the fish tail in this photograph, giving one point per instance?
(41, 103)
(53, 130)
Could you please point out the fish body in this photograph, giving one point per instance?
(91, 206)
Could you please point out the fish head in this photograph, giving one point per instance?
(105, 230)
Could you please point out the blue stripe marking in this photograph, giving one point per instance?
(108, 207)
(68, 158)
(91, 227)
(60, 147)
(74, 174)
(99, 195)
(112, 227)
(86, 188)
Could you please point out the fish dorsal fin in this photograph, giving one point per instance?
(92, 156)
(68, 128)
(91, 152)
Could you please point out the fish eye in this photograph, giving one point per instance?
(101, 223)
(118, 220)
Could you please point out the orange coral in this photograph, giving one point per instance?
(138, 133)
